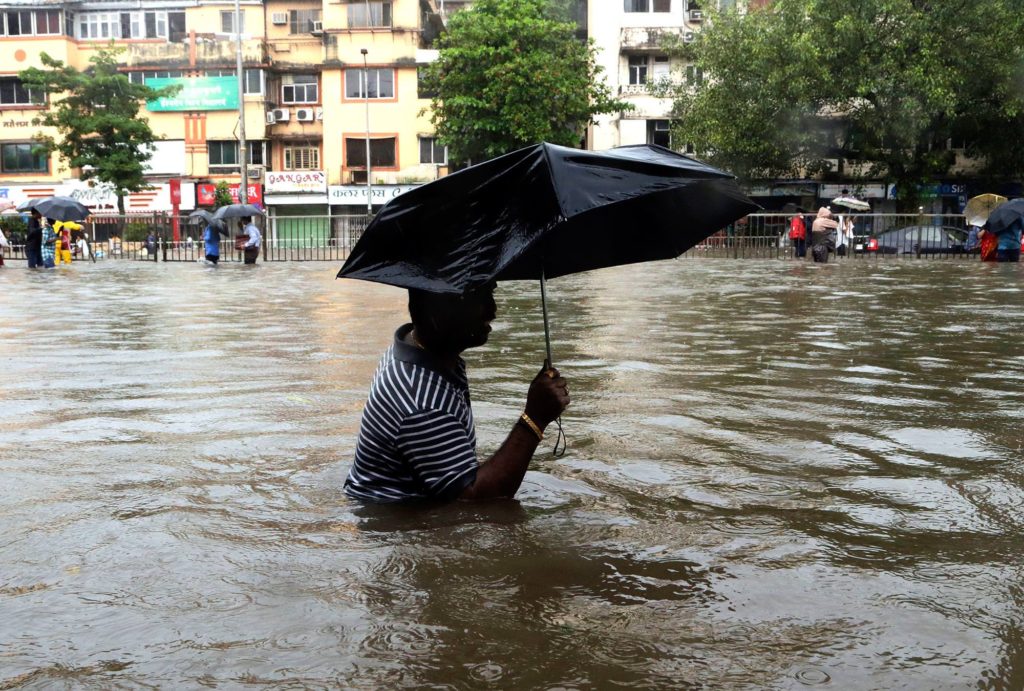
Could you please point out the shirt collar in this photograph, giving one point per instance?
(418, 356)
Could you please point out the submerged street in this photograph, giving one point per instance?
(778, 475)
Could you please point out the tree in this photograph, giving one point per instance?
(880, 85)
(222, 194)
(511, 73)
(96, 116)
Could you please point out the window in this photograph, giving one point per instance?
(637, 69)
(366, 14)
(99, 25)
(176, 32)
(227, 22)
(141, 77)
(30, 23)
(301, 21)
(421, 90)
(256, 153)
(660, 67)
(14, 93)
(647, 5)
(19, 158)
(302, 158)
(382, 152)
(47, 22)
(222, 153)
(254, 81)
(694, 74)
(381, 83)
(299, 88)
(658, 132)
(432, 151)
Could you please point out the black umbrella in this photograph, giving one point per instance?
(200, 216)
(1005, 215)
(542, 212)
(27, 205)
(62, 209)
(236, 211)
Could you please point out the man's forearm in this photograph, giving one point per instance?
(501, 475)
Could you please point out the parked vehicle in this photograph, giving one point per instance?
(931, 239)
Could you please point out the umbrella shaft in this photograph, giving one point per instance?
(544, 309)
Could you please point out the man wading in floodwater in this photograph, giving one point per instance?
(417, 440)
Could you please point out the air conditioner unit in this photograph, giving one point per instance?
(279, 18)
(696, 15)
(254, 172)
(304, 114)
(318, 28)
(281, 115)
(270, 117)
(689, 37)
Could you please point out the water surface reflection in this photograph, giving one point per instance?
(779, 475)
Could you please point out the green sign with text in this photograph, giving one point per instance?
(197, 93)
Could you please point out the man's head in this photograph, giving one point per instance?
(244, 220)
(35, 213)
(448, 323)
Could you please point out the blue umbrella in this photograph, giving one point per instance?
(1005, 215)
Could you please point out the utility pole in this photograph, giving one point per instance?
(366, 92)
(243, 154)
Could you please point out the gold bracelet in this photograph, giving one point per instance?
(533, 426)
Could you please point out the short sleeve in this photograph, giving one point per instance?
(438, 449)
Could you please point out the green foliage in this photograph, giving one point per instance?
(13, 226)
(510, 75)
(222, 194)
(881, 84)
(96, 114)
(135, 231)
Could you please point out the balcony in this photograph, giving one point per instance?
(209, 49)
(650, 38)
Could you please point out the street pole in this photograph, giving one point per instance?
(366, 93)
(243, 162)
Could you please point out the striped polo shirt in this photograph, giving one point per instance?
(416, 440)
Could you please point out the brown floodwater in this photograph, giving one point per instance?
(779, 475)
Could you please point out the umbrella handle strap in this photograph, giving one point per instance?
(559, 449)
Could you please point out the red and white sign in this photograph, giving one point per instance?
(311, 181)
(206, 192)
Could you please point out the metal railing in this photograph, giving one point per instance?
(331, 238)
(766, 236)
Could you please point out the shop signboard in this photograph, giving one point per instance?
(206, 193)
(356, 194)
(295, 181)
(196, 93)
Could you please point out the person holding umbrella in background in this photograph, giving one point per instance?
(48, 243)
(251, 246)
(34, 239)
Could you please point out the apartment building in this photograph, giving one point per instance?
(629, 35)
(319, 79)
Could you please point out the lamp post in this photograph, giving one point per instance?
(243, 154)
(366, 93)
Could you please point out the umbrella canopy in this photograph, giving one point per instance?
(202, 216)
(978, 208)
(28, 204)
(545, 211)
(852, 203)
(236, 211)
(1005, 215)
(62, 209)
(6, 204)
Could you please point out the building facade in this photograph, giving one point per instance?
(320, 78)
